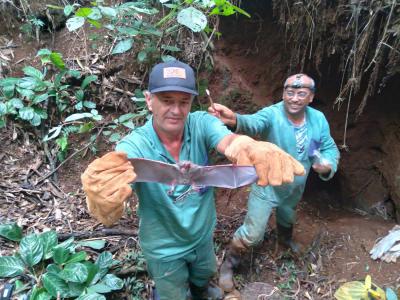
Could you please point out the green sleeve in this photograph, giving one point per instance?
(213, 130)
(254, 124)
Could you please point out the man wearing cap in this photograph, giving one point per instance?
(301, 131)
(176, 225)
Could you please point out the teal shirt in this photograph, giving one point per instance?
(271, 124)
(169, 229)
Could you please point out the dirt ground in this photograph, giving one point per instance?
(336, 239)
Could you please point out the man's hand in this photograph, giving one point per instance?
(227, 116)
(106, 185)
(323, 169)
(273, 165)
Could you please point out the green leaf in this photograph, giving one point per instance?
(142, 55)
(40, 98)
(79, 105)
(89, 104)
(62, 142)
(74, 23)
(95, 23)
(36, 120)
(74, 73)
(75, 117)
(15, 103)
(27, 83)
(31, 249)
(55, 285)
(192, 18)
(80, 95)
(77, 257)
(74, 272)
(57, 60)
(88, 80)
(91, 296)
(108, 11)
(170, 48)
(92, 272)
(95, 14)
(11, 231)
(9, 91)
(26, 113)
(68, 10)
(83, 12)
(53, 133)
(94, 244)
(126, 117)
(27, 93)
(167, 58)
(31, 71)
(41, 113)
(115, 137)
(104, 260)
(86, 127)
(11, 266)
(43, 52)
(53, 268)
(3, 109)
(60, 255)
(39, 294)
(9, 81)
(122, 46)
(76, 289)
(100, 288)
(113, 282)
(128, 31)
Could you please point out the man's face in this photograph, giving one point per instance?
(170, 110)
(296, 99)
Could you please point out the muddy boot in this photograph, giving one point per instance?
(285, 235)
(232, 260)
(208, 292)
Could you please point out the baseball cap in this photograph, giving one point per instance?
(172, 76)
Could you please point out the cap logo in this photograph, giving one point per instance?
(173, 72)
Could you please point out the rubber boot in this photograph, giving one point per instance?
(208, 292)
(285, 238)
(232, 260)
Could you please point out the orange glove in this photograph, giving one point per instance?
(273, 165)
(106, 184)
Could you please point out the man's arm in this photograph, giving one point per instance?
(273, 165)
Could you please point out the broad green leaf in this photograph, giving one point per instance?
(170, 48)
(26, 113)
(53, 268)
(91, 296)
(27, 93)
(2, 122)
(167, 58)
(8, 91)
(95, 14)
(76, 289)
(77, 257)
(31, 249)
(78, 116)
(122, 46)
(27, 83)
(3, 109)
(142, 55)
(94, 244)
(40, 98)
(95, 23)
(94, 112)
(60, 255)
(74, 272)
(128, 31)
(97, 117)
(53, 133)
(62, 142)
(92, 272)
(44, 51)
(68, 10)
(15, 103)
(126, 117)
(100, 288)
(11, 231)
(86, 127)
(89, 104)
(31, 71)
(80, 95)
(74, 73)
(104, 260)
(57, 60)
(74, 23)
(88, 80)
(36, 120)
(11, 266)
(79, 105)
(192, 18)
(55, 285)
(108, 11)
(83, 12)
(113, 282)
(129, 124)
(41, 112)
(115, 137)
(39, 294)
(9, 81)
(139, 7)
